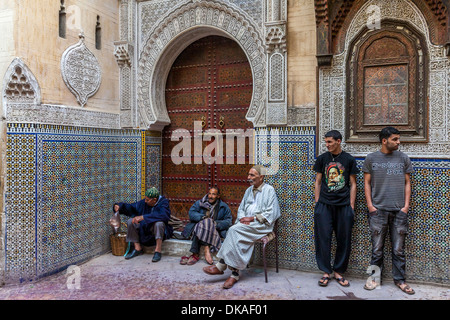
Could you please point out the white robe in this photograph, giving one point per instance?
(237, 248)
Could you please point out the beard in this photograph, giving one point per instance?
(392, 147)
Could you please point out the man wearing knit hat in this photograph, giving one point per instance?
(148, 223)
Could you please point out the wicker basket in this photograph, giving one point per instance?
(118, 243)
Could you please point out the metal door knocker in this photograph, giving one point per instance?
(221, 122)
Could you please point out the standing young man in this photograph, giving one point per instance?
(387, 188)
(335, 195)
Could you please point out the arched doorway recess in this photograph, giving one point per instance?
(210, 82)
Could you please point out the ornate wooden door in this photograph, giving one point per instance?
(210, 81)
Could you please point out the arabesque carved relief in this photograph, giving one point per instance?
(81, 71)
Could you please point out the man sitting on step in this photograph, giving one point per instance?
(148, 223)
(210, 218)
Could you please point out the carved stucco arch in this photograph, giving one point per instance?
(186, 23)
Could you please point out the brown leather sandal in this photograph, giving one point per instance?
(323, 282)
(406, 288)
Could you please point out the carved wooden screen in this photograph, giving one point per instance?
(211, 81)
(387, 85)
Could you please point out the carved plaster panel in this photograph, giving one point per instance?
(123, 52)
(150, 12)
(332, 86)
(276, 114)
(20, 85)
(275, 36)
(304, 115)
(81, 71)
(22, 104)
(254, 8)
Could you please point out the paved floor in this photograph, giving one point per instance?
(109, 277)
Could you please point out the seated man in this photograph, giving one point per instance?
(148, 223)
(210, 219)
(256, 217)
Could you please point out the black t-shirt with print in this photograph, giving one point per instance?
(336, 171)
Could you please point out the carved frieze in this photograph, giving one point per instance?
(61, 115)
(81, 71)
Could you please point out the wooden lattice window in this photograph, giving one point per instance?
(387, 84)
(98, 34)
(62, 20)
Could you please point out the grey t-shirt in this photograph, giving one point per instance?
(388, 178)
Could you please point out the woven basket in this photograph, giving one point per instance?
(118, 243)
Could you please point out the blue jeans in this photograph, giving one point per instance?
(396, 222)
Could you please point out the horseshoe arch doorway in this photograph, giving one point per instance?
(210, 81)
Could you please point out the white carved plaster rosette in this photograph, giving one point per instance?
(81, 71)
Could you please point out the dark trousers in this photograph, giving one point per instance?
(133, 230)
(396, 222)
(196, 244)
(329, 218)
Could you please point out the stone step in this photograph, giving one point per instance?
(174, 247)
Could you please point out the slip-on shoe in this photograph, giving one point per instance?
(134, 253)
(212, 270)
(229, 283)
(156, 257)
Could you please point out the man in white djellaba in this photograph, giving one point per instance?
(256, 216)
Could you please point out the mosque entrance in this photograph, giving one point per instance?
(211, 84)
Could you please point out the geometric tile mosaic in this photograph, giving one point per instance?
(428, 240)
(61, 183)
(20, 246)
(153, 157)
(294, 185)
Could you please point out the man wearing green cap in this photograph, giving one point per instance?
(148, 223)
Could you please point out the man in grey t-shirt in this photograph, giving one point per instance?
(387, 187)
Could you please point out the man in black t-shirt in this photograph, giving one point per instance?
(335, 195)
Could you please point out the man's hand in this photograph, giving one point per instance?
(247, 220)
(371, 209)
(116, 207)
(137, 219)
